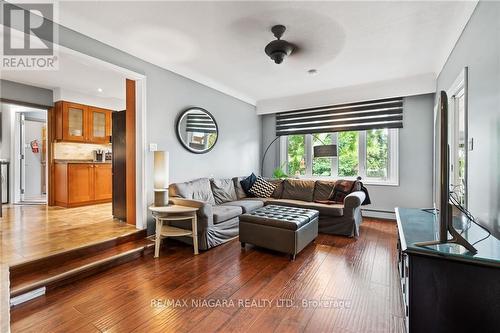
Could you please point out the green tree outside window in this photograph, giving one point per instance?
(377, 153)
(347, 143)
(296, 155)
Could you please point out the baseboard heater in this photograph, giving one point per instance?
(380, 213)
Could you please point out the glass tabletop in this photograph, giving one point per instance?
(417, 225)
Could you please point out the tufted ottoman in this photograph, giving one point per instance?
(279, 228)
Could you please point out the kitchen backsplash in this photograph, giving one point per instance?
(77, 151)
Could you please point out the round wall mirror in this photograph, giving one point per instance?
(197, 130)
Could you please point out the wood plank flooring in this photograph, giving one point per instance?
(336, 284)
(30, 232)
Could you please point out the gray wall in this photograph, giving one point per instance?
(479, 49)
(238, 148)
(25, 93)
(415, 159)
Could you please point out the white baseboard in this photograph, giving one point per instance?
(27, 297)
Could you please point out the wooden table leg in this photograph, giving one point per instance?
(195, 233)
(158, 237)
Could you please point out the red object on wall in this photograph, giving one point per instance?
(35, 148)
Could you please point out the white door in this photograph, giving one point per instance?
(33, 174)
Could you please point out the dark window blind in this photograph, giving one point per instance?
(200, 122)
(382, 113)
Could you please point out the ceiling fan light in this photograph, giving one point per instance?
(279, 49)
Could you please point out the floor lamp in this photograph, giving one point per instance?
(264, 155)
(319, 151)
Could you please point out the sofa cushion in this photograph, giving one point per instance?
(326, 210)
(223, 190)
(323, 189)
(298, 189)
(262, 188)
(240, 193)
(224, 213)
(279, 187)
(198, 189)
(246, 205)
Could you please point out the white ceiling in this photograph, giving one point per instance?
(77, 76)
(221, 44)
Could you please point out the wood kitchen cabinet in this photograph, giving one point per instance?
(99, 125)
(103, 182)
(80, 184)
(82, 123)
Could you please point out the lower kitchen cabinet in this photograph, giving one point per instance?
(80, 184)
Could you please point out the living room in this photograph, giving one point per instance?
(249, 125)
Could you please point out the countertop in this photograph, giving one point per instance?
(80, 162)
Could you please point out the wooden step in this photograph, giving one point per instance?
(58, 273)
(64, 256)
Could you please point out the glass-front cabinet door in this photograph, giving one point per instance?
(74, 122)
(100, 129)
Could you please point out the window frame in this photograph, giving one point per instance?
(393, 159)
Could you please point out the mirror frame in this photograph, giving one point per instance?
(178, 122)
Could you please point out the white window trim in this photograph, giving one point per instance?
(393, 167)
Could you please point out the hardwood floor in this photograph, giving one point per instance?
(30, 232)
(356, 280)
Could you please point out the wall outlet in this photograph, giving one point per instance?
(153, 147)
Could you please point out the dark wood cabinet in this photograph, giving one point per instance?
(82, 123)
(445, 288)
(80, 184)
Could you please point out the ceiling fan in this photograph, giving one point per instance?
(279, 49)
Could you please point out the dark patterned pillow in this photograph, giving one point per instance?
(247, 183)
(342, 188)
(262, 188)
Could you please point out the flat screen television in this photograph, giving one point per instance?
(445, 207)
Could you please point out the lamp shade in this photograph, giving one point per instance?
(160, 169)
(325, 151)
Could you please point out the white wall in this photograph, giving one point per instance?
(479, 49)
(116, 104)
(409, 86)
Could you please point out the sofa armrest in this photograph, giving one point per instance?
(353, 201)
(205, 215)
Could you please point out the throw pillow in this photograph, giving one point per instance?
(262, 188)
(247, 183)
(223, 190)
(342, 188)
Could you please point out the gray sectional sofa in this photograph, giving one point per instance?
(222, 201)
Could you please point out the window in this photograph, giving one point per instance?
(296, 155)
(322, 166)
(371, 154)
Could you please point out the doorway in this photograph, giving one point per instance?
(33, 157)
(458, 138)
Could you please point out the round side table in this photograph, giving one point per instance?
(174, 213)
